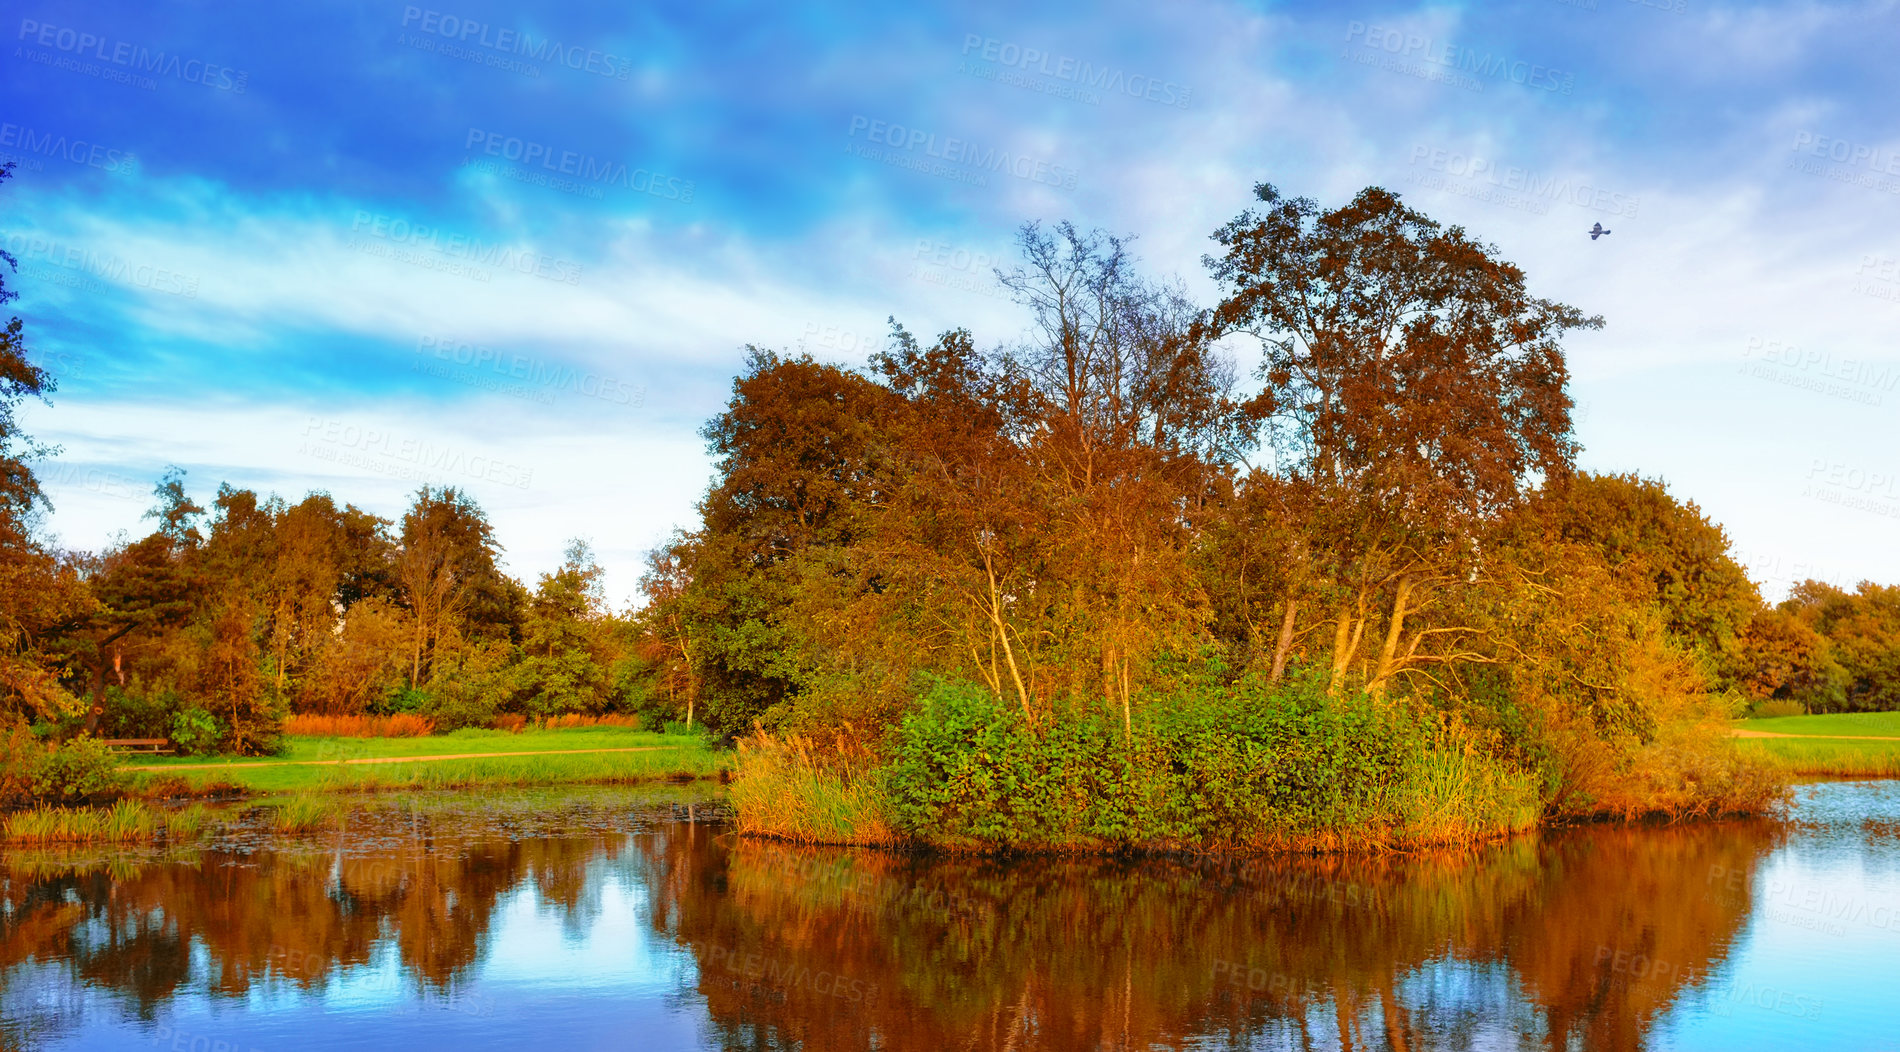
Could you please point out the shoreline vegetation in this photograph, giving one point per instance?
(1087, 588)
(1246, 773)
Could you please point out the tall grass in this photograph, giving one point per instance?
(1819, 758)
(124, 822)
(783, 790)
(1457, 796)
(304, 813)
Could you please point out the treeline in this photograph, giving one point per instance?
(1824, 649)
(222, 621)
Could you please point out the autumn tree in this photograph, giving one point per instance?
(800, 457)
(1413, 385)
(667, 624)
(147, 590)
(41, 595)
(1780, 657)
(1674, 555)
(1862, 629)
(1131, 424)
(449, 582)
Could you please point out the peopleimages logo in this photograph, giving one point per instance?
(77, 151)
(1525, 181)
(473, 33)
(402, 456)
(135, 57)
(1463, 59)
(399, 231)
(958, 151)
(531, 370)
(105, 266)
(1075, 71)
(1881, 159)
(579, 165)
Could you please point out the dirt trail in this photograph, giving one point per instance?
(382, 759)
(1739, 733)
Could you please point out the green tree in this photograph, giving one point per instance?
(1671, 552)
(567, 643)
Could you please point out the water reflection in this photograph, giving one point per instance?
(616, 923)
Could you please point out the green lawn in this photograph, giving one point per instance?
(313, 763)
(1830, 745)
(1862, 724)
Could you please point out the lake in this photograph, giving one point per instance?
(634, 919)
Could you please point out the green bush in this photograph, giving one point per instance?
(401, 699)
(130, 714)
(472, 691)
(1245, 764)
(195, 732)
(81, 770)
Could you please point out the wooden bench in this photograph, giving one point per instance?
(154, 746)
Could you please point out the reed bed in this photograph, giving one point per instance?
(128, 821)
(784, 791)
(306, 813)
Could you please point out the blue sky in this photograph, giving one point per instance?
(520, 249)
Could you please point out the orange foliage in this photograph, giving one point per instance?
(400, 725)
(574, 719)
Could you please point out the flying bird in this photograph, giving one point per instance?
(1597, 231)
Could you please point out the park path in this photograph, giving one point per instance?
(382, 759)
(1739, 733)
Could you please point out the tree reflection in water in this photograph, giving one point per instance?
(1579, 938)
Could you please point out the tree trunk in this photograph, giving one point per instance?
(1002, 634)
(1285, 643)
(1389, 650)
(1127, 716)
(1346, 642)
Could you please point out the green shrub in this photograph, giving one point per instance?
(195, 732)
(20, 756)
(459, 705)
(1230, 766)
(129, 714)
(401, 699)
(81, 770)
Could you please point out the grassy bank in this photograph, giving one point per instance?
(450, 761)
(1841, 745)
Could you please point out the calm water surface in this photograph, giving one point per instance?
(633, 921)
